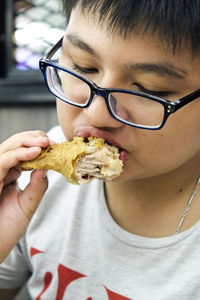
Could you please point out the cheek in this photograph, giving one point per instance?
(66, 116)
(158, 152)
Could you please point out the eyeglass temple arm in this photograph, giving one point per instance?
(187, 99)
(52, 51)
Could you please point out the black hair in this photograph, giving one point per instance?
(176, 22)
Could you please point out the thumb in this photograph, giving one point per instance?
(33, 193)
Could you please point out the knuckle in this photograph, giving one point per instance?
(2, 163)
(17, 136)
(40, 132)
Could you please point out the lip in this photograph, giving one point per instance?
(86, 132)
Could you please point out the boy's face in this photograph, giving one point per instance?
(141, 64)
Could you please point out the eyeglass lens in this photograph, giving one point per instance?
(68, 87)
(133, 109)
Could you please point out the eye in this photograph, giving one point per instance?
(82, 70)
(160, 94)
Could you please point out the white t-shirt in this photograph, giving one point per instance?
(74, 250)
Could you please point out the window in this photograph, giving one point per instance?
(27, 29)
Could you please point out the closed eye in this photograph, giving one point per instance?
(82, 70)
(160, 94)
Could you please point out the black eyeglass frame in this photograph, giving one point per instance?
(169, 106)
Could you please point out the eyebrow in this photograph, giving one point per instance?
(163, 69)
(78, 43)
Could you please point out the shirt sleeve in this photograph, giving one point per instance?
(14, 271)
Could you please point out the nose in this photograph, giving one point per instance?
(98, 114)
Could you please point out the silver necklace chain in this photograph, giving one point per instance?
(187, 207)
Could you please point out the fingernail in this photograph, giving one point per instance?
(51, 142)
(34, 149)
(45, 173)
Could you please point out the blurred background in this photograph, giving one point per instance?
(27, 29)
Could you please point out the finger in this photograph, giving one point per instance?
(12, 176)
(25, 139)
(33, 193)
(10, 159)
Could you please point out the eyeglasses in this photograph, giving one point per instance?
(129, 107)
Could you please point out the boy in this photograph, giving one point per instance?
(122, 68)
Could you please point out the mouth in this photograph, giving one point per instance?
(123, 154)
(107, 136)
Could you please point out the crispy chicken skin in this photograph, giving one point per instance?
(80, 160)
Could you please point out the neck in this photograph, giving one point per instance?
(153, 207)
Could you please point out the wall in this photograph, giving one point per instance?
(16, 119)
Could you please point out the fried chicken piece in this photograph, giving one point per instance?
(80, 160)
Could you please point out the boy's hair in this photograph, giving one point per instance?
(176, 22)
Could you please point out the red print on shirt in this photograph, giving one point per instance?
(66, 277)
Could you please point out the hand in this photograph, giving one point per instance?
(16, 206)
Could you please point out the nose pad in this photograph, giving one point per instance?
(98, 114)
(118, 109)
(113, 103)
